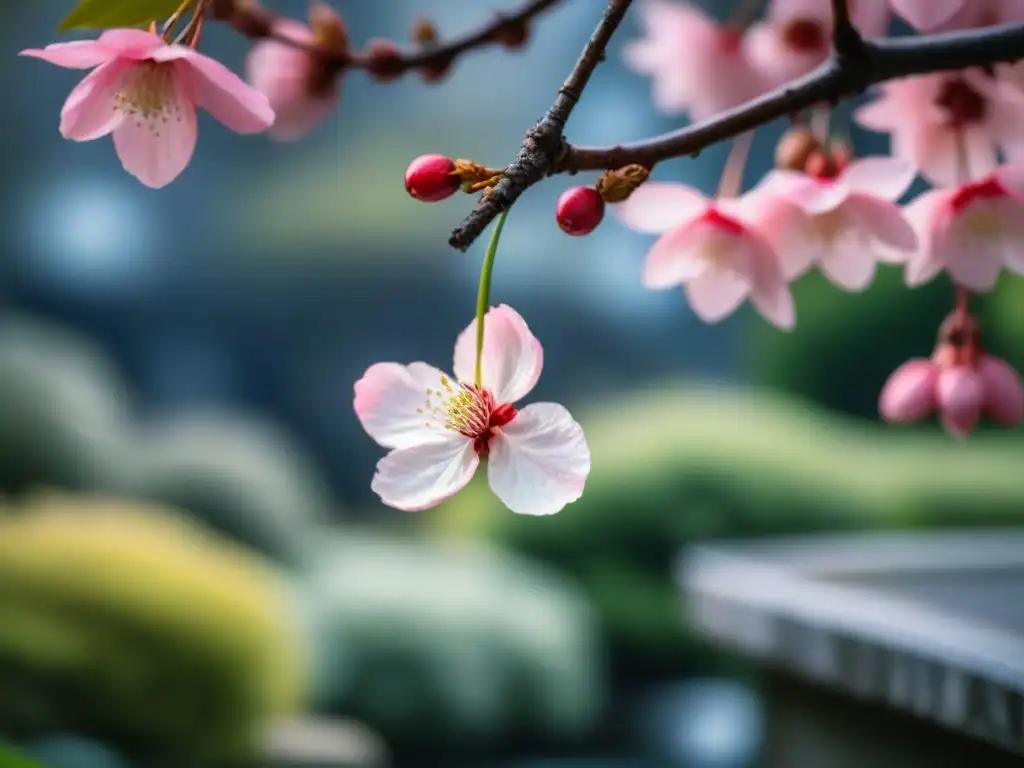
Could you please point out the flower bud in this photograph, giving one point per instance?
(617, 185)
(795, 148)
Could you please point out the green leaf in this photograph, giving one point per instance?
(11, 759)
(109, 14)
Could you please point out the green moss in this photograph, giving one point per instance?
(138, 628)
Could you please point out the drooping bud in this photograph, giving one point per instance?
(617, 185)
(424, 32)
(329, 30)
(513, 34)
(384, 60)
(795, 148)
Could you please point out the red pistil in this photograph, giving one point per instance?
(716, 218)
(986, 189)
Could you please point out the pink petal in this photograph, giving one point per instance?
(775, 303)
(221, 92)
(1004, 392)
(132, 43)
(790, 233)
(960, 397)
(909, 394)
(924, 213)
(539, 462)
(715, 294)
(882, 221)
(849, 262)
(391, 404)
(156, 147)
(420, 477)
(926, 15)
(973, 262)
(679, 255)
(80, 54)
(512, 356)
(91, 110)
(659, 206)
(881, 177)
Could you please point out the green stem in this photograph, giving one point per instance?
(483, 296)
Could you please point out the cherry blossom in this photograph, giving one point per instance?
(795, 35)
(699, 66)
(949, 126)
(439, 427)
(960, 391)
(850, 222)
(301, 92)
(145, 92)
(971, 231)
(713, 248)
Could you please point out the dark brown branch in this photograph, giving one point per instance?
(861, 64)
(252, 20)
(543, 144)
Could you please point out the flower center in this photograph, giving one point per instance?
(147, 93)
(986, 189)
(963, 104)
(828, 226)
(463, 408)
(804, 35)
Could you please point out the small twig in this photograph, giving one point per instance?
(254, 21)
(842, 76)
(543, 144)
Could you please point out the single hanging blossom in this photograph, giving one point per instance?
(145, 92)
(302, 88)
(713, 248)
(796, 35)
(439, 428)
(961, 382)
(931, 117)
(698, 66)
(971, 231)
(851, 220)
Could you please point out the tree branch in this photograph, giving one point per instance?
(848, 72)
(252, 20)
(543, 145)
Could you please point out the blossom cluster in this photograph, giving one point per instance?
(822, 207)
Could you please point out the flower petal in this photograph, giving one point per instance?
(90, 110)
(882, 221)
(391, 404)
(80, 54)
(960, 397)
(512, 355)
(909, 394)
(881, 177)
(132, 43)
(658, 206)
(849, 262)
(221, 92)
(923, 214)
(152, 150)
(678, 256)
(1004, 392)
(926, 15)
(420, 477)
(715, 294)
(539, 461)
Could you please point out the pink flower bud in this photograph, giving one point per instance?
(960, 396)
(910, 393)
(1004, 393)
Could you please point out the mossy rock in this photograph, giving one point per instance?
(62, 409)
(683, 464)
(242, 476)
(451, 647)
(138, 628)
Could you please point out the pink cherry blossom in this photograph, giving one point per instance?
(713, 248)
(439, 427)
(795, 35)
(850, 221)
(971, 13)
(698, 65)
(950, 125)
(961, 392)
(971, 231)
(145, 92)
(288, 75)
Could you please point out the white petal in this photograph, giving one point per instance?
(391, 402)
(676, 256)
(884, 177)
(420, 477)
(539, 461)
(512, 356)
(849, 262)
(716, 294)
(658, 206)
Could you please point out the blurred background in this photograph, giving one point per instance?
(193, 570)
